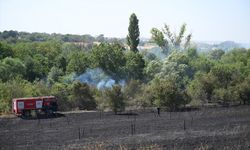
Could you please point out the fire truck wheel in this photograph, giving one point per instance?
(26, 114)
(37, 114)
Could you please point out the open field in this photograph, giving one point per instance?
(210, 128)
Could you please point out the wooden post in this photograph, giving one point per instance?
(67, 120)
(192, 121)
(184, 124)
(83, 132)
(132, 129)
(50, 123)
(79, 133)
(100, 114)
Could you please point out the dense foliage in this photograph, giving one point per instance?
(35, 64)
(133, 33)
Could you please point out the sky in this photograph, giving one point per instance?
(207, 20)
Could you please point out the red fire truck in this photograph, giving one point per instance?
(25, 107)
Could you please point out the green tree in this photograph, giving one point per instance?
(158, 38)
(192, 53)
(115, 98)
(110, 58)
(133, 33)
(54, 74)
(244, 90)
(81, 96)
(11, 68)
(68, 48)
(170, 41)
(153, 68)
(50, 50)
(201, 88)
(176, 67)
(61, 62)
(216, 54)
(62, 92)
(201, 64)
(32, 72)
(145, 96)
(41, 65)
(225, 96)
(236, 55)
(167, 94)
(134, 66)
(226, 74)
(131, 90)
(5, 50)
(78, 63)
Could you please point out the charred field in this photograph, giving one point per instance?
(208, 128)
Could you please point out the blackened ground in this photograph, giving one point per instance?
(211, 128)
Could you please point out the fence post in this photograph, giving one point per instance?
(79, 133)
(67, 120)
(192, 121)
(184, 124)
(100, 115)
(132, 129)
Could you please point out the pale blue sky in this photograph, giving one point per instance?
(210, 20)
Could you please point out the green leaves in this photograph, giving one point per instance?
(134, 66)
(170, 41)
(81, 96)
(167, 93)
(133, 33)
(115, 98)
(78, 63)
(11, 68)
(5, 50)
(158, 38)
(109, 57)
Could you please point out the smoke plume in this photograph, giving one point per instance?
(98, 78)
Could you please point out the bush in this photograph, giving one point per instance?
(81, 96)
(168, 94)
(115, 98)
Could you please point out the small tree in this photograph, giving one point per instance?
(133, 33)
(167, 94)
(201, 87)
(61, 91)
(171, 40)
(216, 54)
(244, 90)
(115, 98)
(81, 96)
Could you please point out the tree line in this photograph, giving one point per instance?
(35, 64)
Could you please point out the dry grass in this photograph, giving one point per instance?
(7, 116)
(203, 146)
(104, 146)
(98, 146)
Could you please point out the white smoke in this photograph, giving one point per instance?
(98, 78)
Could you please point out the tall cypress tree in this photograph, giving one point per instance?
(133, 33)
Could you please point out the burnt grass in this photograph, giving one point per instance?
(208, 128)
